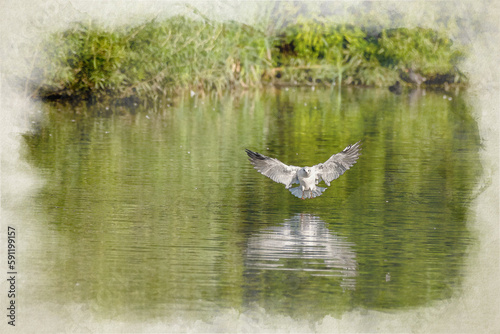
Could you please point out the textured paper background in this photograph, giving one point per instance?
(475, 310)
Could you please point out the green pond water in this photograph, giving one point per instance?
(155, 211)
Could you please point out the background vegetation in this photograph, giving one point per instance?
(160, 57)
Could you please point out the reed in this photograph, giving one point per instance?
(159, 58)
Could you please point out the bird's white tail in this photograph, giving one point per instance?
(297, 192)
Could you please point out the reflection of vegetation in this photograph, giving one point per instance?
(149, 215)
(161, 57)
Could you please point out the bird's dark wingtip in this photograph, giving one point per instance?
(249, 153)
(254, 155)
(356, 146)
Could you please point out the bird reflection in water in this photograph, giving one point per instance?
(303, 243)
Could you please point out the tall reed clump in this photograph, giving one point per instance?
(157, 58)
(182, 53)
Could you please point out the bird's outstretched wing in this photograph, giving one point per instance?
(338, 163)
(273, 168)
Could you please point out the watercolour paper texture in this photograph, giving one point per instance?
(472, 307)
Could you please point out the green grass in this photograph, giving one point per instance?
(159, 58)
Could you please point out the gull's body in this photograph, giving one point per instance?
(307, 177)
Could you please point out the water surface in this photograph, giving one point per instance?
(155, 210)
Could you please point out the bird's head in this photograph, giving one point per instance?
(307, 170)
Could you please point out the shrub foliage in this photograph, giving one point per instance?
(159, 58)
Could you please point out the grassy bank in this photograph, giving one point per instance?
(158, 58)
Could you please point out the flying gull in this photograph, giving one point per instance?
(307, 177)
